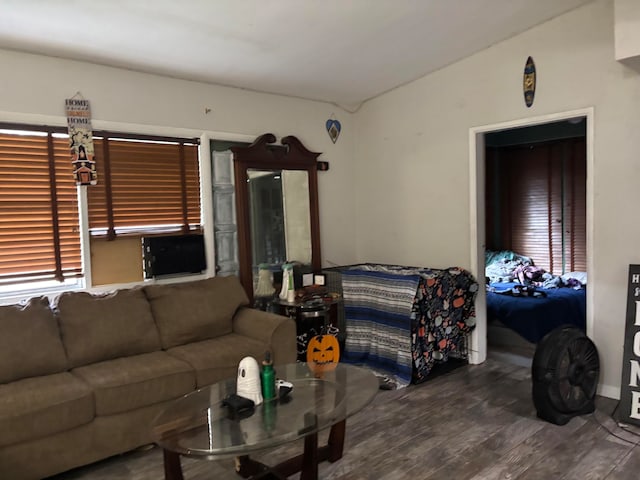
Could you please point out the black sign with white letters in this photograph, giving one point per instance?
(629, 408)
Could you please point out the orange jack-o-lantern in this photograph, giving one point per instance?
(323, 353)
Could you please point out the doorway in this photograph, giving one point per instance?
(535, 224)
(478, 189)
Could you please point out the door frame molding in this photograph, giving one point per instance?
(478, 345)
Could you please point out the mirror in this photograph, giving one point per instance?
(279, 216)
(277, 206)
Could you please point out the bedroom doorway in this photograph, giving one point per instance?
(535, 234)
(552, 131)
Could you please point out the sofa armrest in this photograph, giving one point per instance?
(277, 331)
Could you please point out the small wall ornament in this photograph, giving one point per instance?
(333, 128)
(81, 140)
(529, 82)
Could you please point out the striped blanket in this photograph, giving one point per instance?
(401, 321)
(378, 311)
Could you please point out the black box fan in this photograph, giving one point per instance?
(565, 373)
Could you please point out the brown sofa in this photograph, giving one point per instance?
(83, 379)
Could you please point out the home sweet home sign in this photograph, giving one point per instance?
(629, 408)
(81, 140)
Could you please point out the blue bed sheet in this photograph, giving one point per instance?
(534, 317)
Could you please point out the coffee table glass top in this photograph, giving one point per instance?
(199, 425)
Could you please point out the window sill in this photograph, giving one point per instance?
(13, 294)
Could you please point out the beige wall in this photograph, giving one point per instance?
(33, 89)
(412, 156)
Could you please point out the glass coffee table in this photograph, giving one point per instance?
(198, 425)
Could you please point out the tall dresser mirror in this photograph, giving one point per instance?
(277, 206)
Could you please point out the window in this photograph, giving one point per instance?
(145, 185)
(39, 231)
(536, 203)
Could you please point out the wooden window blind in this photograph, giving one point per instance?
(145, 185)
(39, 231)
(536, 203)
(530, 198)
(575, 207)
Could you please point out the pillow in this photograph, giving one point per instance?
(578, 276)
(30, 344)
(193, 311)
(97, 328)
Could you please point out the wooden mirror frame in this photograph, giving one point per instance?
(263, 154)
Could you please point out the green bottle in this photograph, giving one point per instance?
(268, 378)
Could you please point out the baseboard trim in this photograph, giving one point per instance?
(609, 391)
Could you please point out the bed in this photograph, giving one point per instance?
(530, 301)
(402, 321)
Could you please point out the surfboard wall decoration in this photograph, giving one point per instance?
(529, 82)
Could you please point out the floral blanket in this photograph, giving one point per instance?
(402, 321)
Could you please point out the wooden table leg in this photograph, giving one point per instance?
(246, 467)
(310, 458)
(336, 441)
(172, 466)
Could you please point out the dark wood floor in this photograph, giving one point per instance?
(476, 422)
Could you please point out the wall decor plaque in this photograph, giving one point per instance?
(81, 140)
(529, 82)
(333, 129)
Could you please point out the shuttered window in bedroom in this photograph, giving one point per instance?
(39, 231)
(575, 207)
(536, 203)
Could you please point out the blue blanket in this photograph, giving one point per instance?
(535, 316)
(378, 309)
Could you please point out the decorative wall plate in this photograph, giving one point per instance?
(529, 82)
(333, 129)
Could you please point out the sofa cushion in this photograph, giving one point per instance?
(193, 311)
(217, 358)
(97, 328)
(277, 331)
(30, 328)
(36, 407)
(128, 383)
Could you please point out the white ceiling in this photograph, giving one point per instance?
(341, 51)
